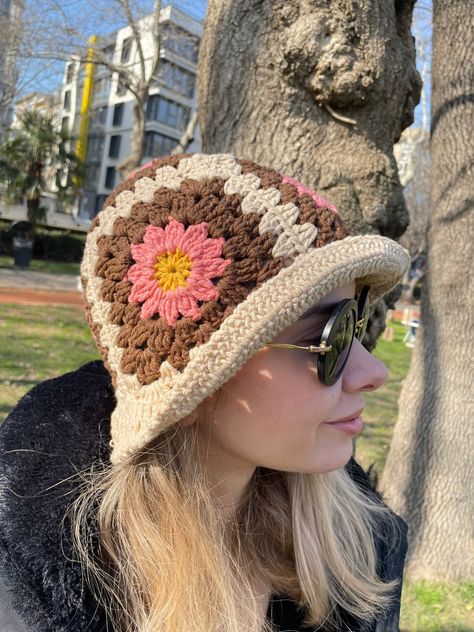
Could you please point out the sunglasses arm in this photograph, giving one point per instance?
(312, 349)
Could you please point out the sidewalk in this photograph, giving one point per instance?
(29, 287)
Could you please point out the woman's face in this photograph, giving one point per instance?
(274, 412)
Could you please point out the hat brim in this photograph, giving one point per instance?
(146, 410)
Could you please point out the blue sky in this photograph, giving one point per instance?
(195, 8)
(422, 29)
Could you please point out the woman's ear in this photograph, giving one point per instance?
(203, 411)
(189, 420)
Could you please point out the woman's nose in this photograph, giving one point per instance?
(363, 372)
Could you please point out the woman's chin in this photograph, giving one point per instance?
(333, 460)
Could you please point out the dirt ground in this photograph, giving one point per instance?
(32, 297)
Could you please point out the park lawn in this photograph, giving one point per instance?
(437, 607)
(40, 342)
(380, 413)
(40, 265)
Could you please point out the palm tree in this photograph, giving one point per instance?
(31, 153)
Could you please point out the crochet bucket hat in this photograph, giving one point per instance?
(197, 261)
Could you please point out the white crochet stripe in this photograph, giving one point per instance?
(261, 201)
(293, 239)
(280, 219)
(242, 184)
(143, 411)
(204, 166)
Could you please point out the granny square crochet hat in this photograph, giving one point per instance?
(195, 263)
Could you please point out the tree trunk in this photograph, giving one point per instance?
(318, 92)
(32, 206)
(428, 477)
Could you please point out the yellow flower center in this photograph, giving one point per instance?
(172, 270)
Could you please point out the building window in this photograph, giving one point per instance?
(67, 100)
(114, 147)
(97, 118)
(176, 78)
(91, 177)
(101, 89)
(65, 124)
(157, 144)
(121, 84)
(99, 203)
(108, 52)
(163, 110)
(110, 178)
(82, 75)
(180, 42)
(118, 115)
(69, 72)
(95, 146)
(126, 49)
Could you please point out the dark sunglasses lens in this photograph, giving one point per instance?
(340, 340)
(363, 312)
(363, 318)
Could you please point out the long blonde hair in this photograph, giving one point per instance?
(160, 556)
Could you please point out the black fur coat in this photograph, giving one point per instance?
(59, 428)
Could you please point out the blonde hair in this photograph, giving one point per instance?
(160, 556)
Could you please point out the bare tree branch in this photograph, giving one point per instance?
(136, 34)
(188, 136)
(156, 33)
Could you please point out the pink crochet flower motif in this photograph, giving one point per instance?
(300, 189)
(173, 270)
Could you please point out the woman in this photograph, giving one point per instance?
(228, 303)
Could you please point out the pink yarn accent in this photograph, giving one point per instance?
(300, 188)
(132, 173)
(203, 252)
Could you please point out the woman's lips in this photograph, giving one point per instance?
(352, 426)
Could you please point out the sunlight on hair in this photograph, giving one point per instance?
(166, 555)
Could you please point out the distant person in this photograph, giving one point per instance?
(200, 478)
(417, 267)
(412, 322)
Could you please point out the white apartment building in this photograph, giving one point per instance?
(170, 104)
(46, 104)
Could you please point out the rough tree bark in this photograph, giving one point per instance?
(320, 91)
(428, 477)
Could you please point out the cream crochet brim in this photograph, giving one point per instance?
(144, 410)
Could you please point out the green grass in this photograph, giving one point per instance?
(381, 409)
(39, 342)
(437, 607)
(39, 265)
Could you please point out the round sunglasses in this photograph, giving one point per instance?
(348, 320)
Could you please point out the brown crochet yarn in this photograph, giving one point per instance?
(251, 254)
